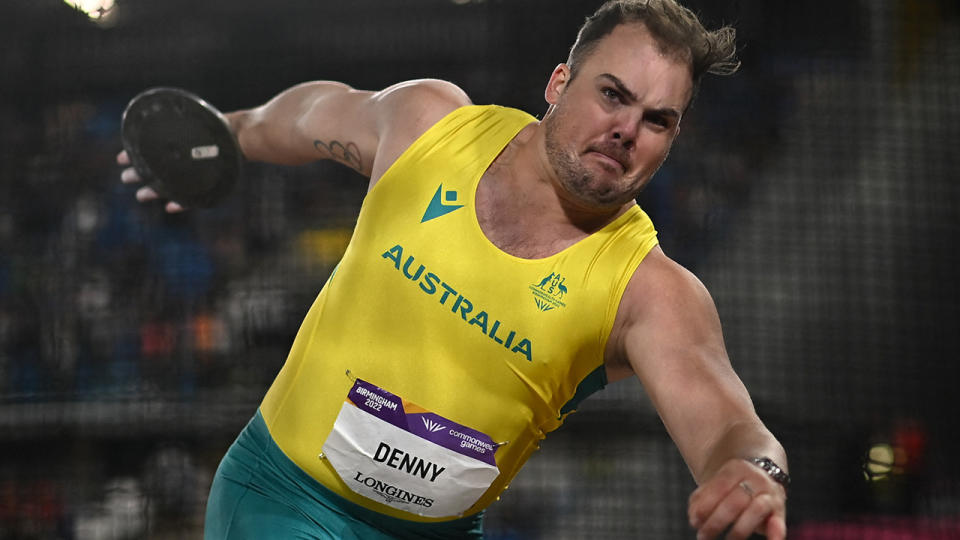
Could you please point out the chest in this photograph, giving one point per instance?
(517, 222)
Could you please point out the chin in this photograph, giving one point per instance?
(601, 199)
(614, 201)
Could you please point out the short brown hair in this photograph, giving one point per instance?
(675, 28)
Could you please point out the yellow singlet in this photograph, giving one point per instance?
(425, 307)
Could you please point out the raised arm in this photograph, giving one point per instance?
(365, 130)
(668, 333)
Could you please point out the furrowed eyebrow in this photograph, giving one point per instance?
(622, 88)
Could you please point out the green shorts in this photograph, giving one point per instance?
(258, 493)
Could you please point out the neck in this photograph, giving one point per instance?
(523, 210)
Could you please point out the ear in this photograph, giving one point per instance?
(557, 83)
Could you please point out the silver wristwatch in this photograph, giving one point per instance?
(779, 475)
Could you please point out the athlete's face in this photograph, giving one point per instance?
(611, 127)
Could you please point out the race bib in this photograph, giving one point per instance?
(399, 454)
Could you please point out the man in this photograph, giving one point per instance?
(500, 271)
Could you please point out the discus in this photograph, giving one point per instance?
(181, 146)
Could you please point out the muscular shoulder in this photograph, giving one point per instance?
(421, 96)
(406, 110)
(664, 303)
(665, 284)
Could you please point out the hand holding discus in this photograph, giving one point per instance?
(180, 147)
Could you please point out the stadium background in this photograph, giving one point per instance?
(815, 193)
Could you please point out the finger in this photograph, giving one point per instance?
(145, 194)
(760, 509)
(123, 158)
(725, 513)
(776, 528)
(130, 176)
(704, 500)
(174, 207)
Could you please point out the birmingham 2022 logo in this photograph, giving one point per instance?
(549, 292)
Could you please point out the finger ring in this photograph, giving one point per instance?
(746, 487)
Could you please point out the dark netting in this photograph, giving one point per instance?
(815, 193)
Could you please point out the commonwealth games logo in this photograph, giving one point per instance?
(549, 293)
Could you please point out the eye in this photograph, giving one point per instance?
(611, 94)
(658, 120)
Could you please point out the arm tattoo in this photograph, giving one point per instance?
(348, 154)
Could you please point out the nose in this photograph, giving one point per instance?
(627, 142)
(625, 132)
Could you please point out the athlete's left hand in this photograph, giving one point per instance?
(740, 497)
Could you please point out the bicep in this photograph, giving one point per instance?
(674, 344)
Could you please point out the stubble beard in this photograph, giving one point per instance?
(574, 177)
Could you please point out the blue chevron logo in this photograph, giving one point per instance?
(438, 207)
